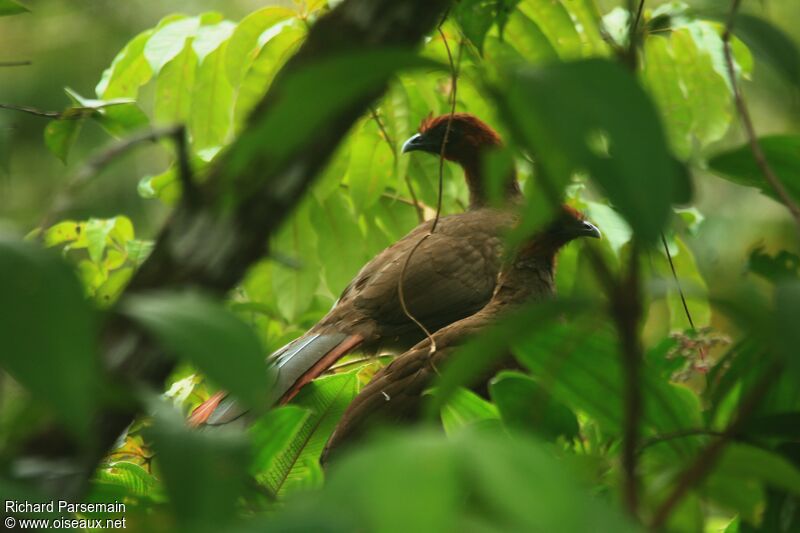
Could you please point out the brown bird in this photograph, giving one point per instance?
(451, 275)
(395, 392)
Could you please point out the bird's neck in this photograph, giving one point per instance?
(473, 166)
(525, 278)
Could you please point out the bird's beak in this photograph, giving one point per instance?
(417, 142)
(590, 230)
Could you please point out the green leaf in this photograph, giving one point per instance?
(782, 153)
(11, 7)
(345, 77)
(475, 18)
(212, 102)
(60, 136)
(129, 70)
(592, 116)
(787, 335)
(168, 41)
(326, 399)
(48, 330)
(371, 166)
(474, 481)
(245, 43)
(130, 476)
(340, 242)
(204, 471)
(580, 366)
(692, 94)
(556, 23)
(165, 186)
(174, 86)
(296, 286)
(268, 59)
(200, 330)
(783, 266)
(210, 37)
(465, 409)
(526, 405)
(770, 44)
(273, 433)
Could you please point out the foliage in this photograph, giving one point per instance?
(628, 148)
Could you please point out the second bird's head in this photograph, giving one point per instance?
(467, 136)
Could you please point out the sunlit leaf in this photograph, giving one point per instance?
(326, 399)
(129, 70)
(244, 43)
(174, 86)
(212, 102)
(465, 409)
(273, 433)
(60, 136)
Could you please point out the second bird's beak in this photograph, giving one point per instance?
(590, 230)
(417, 142)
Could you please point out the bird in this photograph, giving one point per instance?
(450, 275)
(395, 393)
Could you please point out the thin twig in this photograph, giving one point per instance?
(700, 349)
(453, 92)
(633, 34)
(681, 434)
(101, 160)
(15, 63)
(393, 148)
(32, 111)
(758, 153)
(708, 457)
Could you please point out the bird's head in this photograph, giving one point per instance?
(468, 135)
(567, 225)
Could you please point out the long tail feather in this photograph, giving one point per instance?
(297, 363)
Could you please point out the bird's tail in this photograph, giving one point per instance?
(297, 363)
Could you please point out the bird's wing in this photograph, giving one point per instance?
(450, 275)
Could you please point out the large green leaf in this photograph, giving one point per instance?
(298, 464)
(371, 166)
(782, 153)
(174, 85)
(557, 24)
(592, 116)
(204, 471)
(474, 481)
(692, 95)
(296, 286)
(212, 102)
(340, 242)
(273, 433)
(245, 41)
(465, 409)
(579, 365)
(11, 7)
(526, 405)
(200, 330)
(129, 70)
(48, 331)
(770, 44)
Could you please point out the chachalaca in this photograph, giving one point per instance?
(451, 275)
(395, 393)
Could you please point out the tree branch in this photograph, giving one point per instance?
(752, 139)
(211, 246)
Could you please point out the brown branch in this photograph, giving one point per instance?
(627, 311)
(744, 113)
(212, 246)
(708, 457)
